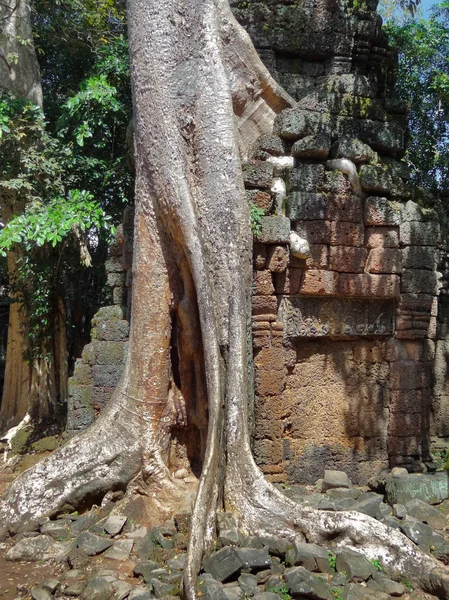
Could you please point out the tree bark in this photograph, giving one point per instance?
(186, 374)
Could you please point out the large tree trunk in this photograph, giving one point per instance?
(29, 387)
(186, 380)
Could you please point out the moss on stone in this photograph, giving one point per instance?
(19, 443)
(46, 444)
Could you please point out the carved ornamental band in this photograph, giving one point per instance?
(319, 317)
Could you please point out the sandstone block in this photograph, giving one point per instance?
(275, 230)
(432, 488)
(414, 212)
(404, 425)
(315, 232)
(106, 375)
(114, 264)
(101, 396)
(306, 206)
(336, 182)
(403, 446)
(347, 259)
(364, 284)
(116, 279)
(306, 178)
(346, 234)
(109, 353)
(268, 451)
(335, 479)
(382, 237)
(319, 282)
(272, 144)
(385, 137)
(353, 149)
(419, 281)
(113, 331)
(259, 256)
(420, 257)
(416, 233)
(277, 258)
(318, 258)
(341, 207)
(378, 180)
(312, 146)
(263, 283)
(258, 174)
(405, 401)
(288, 282)
(380, 211)
(262, 200)
(408, 375)
(293, 124)
(264, 305)
(384, 260)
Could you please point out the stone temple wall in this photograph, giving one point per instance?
(350, 328)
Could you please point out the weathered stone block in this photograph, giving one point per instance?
(319, 282)
(80, 395)
(409, 375)
(263, 283)
(380, 211)
(306, 206)
(262, 200)
(419, 281)
(275, 230)
(420, 257)
(364, 284)
(315, 232)
(405, 401)
(114, 331)
(106, 375)
(353, 149)
(109, 353)
(384, 137)
(318, 258)
(293, 124)
(346, 234)
(340, 207)
(272, 144)
(306, 178)
(101, 396)
(337, 183)
(312, 146)
(277, 258)
(404, 425)
(116, 279)
(347, 259)
(355, 565)
(384, 260)
(288, 282)
(417, 233)
(269, 451)
(259, 256)
(414, 212)
(114, 264)
(379, 180)
(264, 305)
(432, 488)
(382, 237)
(404, 446)
(258, 174)
(82, 374)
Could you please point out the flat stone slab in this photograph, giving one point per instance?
(426, 513)
(355, 565)
(114, 524)
(120, 550)
(432, 488)
(41, 547)
(335, 479)
(92, 544)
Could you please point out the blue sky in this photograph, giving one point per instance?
(426, 4)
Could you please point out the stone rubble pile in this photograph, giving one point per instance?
(268, 567)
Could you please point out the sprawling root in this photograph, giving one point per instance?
(105, 457)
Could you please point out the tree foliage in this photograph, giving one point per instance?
(423, 81)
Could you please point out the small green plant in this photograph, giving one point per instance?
(331, 557)
(407, 584)
(376, 564)
(337, 593)
(256, 215)
(281, 590)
